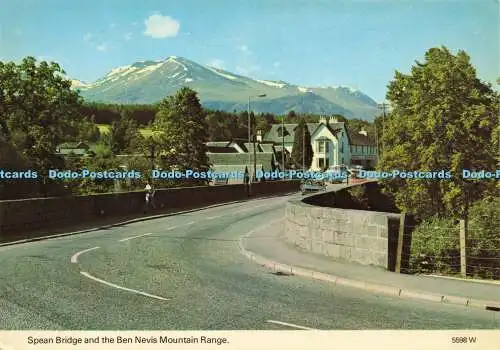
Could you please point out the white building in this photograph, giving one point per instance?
(331, 143)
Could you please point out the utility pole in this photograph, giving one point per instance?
(283, 143)
(249, 157)
(250, 142)
(383, 106)
(304, 148)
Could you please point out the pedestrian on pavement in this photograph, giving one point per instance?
(149, 196)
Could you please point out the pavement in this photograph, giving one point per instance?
(270, 247)
(187, 272)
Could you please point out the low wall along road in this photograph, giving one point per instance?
(361, 236)
(25, 215)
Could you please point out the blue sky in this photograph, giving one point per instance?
(315, 42)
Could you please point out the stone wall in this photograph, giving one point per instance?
(25, 215)
(352, 235)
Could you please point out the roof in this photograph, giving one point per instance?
(240, 143)
(249, 147)
(267, 147)
(361, 140)
(218, 143)
(73, 151)
(73, 145)
(275, 135)
(266, 159)
(217, 149)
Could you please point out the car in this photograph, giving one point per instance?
(337, 173)
(308, 186)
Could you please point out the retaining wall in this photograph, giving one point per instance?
(360, 236)
(25, 215)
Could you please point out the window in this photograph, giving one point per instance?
(321, 146)
(342, 148)
(321, 162)
(326, 146)
(327, 162)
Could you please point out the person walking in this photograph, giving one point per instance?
(149, 196)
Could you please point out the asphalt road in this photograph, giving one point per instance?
(185, 272)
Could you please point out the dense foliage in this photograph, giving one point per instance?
(442, 118)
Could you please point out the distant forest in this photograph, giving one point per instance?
(222, 125)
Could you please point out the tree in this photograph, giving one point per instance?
(39, 106)
(443, 118)
(88, 131)
(123, 135)
(302, 137)
(182, 120)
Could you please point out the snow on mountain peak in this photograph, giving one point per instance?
(303, 89)
(272, 83)
(219, 72)
(77, 84)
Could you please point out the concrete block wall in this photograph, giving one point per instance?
(25, 215)
(353, 235)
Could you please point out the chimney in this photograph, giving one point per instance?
(259, 135)
(322, 119)
(363, 132)
(333, 120)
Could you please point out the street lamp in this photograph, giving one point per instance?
(254, 152)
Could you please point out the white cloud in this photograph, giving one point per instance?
(135, 23)
(276, 64)
(102, 47)
(158, 26)
(113, 25)
(243, 48)
(87, 37)
(128, 36)
(217, 63)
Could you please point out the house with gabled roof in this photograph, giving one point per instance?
(237, 155)
(331, 142)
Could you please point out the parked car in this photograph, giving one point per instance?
(337, 173)
(308, 186)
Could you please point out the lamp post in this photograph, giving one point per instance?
(249, 141)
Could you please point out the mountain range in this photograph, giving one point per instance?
(150, 81)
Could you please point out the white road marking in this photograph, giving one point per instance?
(214, 217)
(129, 238)
(291, 325)
(174, 227)
(148, 234)
(122, 288)
(74, 258)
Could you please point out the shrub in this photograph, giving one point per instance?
(435, 247)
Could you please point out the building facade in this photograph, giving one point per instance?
(331, 142)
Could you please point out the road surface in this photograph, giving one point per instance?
(185, 272)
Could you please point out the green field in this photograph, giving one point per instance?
(104, 129)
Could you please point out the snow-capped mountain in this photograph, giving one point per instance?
(77, 84)
(151, 81)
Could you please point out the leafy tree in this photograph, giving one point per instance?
(123, 135)
(302, 136)
(88, 131)
(103, 160)
(39, 106)
(443, 117)
(182, 120)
